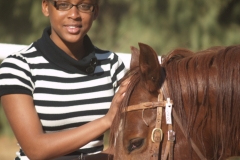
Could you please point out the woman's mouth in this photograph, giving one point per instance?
(73, 29)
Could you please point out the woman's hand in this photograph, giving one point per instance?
(116, 102)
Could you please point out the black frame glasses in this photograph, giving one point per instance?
(65, 6)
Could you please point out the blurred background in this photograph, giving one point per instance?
(162, 24)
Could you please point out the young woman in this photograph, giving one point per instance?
(58, 93)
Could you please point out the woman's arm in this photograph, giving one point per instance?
(36, 144)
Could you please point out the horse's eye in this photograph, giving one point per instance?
(135, 144)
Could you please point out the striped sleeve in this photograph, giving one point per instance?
(15, 76)
(118, 70)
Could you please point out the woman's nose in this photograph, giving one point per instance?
(74, 12)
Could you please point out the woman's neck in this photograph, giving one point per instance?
(74, 50)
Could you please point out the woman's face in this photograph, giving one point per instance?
(70, 25)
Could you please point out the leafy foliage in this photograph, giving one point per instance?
(164, 24)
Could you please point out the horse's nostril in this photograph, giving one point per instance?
(135, 144)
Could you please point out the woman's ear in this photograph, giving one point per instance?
(96, 12)
(45, 8)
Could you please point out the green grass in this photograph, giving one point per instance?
(5, 128)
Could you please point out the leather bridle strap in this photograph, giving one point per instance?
(157, 133)
(168, 152)
(156, 136)
(146, 105)
(194, 146)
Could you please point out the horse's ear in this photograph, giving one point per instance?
(135, 57)
(149, 67)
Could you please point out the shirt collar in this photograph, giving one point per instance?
(58, 57)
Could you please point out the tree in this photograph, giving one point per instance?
(163, 24)
(22, 21)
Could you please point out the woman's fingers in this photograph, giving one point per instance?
(117, 99)
(121, 91)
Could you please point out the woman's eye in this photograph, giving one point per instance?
(85, 6)
(62, 4)
(135, 144)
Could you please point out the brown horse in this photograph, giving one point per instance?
(205, 91)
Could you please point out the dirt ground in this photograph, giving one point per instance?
(8, 148)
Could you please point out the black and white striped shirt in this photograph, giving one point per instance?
(65, 96)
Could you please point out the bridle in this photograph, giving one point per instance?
(157, 133)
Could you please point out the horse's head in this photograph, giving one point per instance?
(205, 90)
(137, 125)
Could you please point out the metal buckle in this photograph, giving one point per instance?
(153, 133)
(171, 135)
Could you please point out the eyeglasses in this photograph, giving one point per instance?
(64, 6)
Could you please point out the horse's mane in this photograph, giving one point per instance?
(189, 74)
(184, 70)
